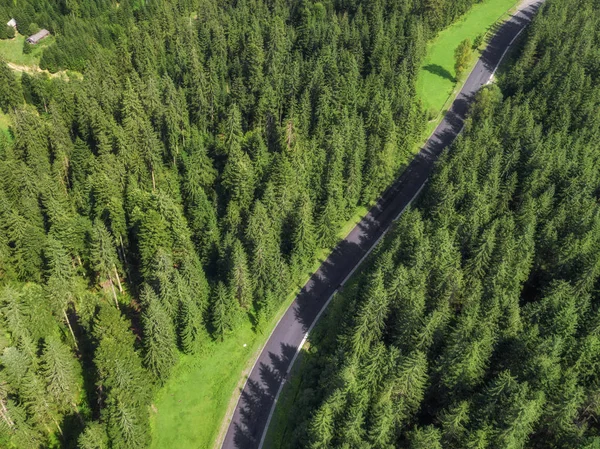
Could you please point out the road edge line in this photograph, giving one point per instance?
(316, 320)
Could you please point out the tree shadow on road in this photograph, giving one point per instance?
(258, 396)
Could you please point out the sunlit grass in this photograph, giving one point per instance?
(436, 84)
(11, 50)
(5, 123)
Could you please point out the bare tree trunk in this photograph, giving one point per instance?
(70, 328)
(57, 426)
(5, 417)
(112, 286)
(118, 279)
(153, 181)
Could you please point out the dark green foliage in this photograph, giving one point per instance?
(159, 336)
(10, 90)
(475, 324)
(122, 381)
(225, 311)
(7, 32)
(185, 182)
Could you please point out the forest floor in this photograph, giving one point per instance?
(189, 411)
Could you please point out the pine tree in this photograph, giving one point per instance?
(328, 224)
(61, 283)
(462, 57)
(104, 257)
(159, 337)
(10, 91)
(190, 289)
(224, 311)
(62, 374)
(239, 280)
(238, 177)
(93, 437)
(121, 381)
(303, 235)
(425, 438)
(266, 263)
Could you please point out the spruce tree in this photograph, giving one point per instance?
(10, 90)
(303, 235)
(159, 336)
(62, 374)
(239, 280)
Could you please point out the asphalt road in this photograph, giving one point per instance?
(253, 411)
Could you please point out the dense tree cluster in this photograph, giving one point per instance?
(476, 324)
(182, 185)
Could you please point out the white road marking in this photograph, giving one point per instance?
(316, 320)
(506, 51)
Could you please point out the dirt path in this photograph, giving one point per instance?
(36, 69)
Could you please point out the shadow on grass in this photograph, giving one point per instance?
(439, 71)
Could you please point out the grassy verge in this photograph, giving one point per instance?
(436, 84)
(437, 88)
(188, 412)
(11, 50)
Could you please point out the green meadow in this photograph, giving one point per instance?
(436, 83)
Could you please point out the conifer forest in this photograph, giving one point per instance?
(173, 168)
(476, 324)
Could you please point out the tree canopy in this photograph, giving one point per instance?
(475, 324)
(184, 183)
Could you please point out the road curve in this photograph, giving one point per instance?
(254, 409)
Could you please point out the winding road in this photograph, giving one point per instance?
(252, 414)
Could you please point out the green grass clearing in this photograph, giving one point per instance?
(5, 123)
(188, 410)
(436, 84)
(12, 50)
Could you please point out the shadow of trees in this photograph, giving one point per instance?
(438, 70)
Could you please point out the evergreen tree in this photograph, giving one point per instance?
(239, 275)
(11, 95)
(462, 57)
(159, 337)
(104, 258)
(303, 235)
(62, 374)
(224, 311)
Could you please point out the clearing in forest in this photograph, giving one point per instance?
(437, 84)
(11, 50)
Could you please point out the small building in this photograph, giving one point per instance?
(12, 23)
(35, 38)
